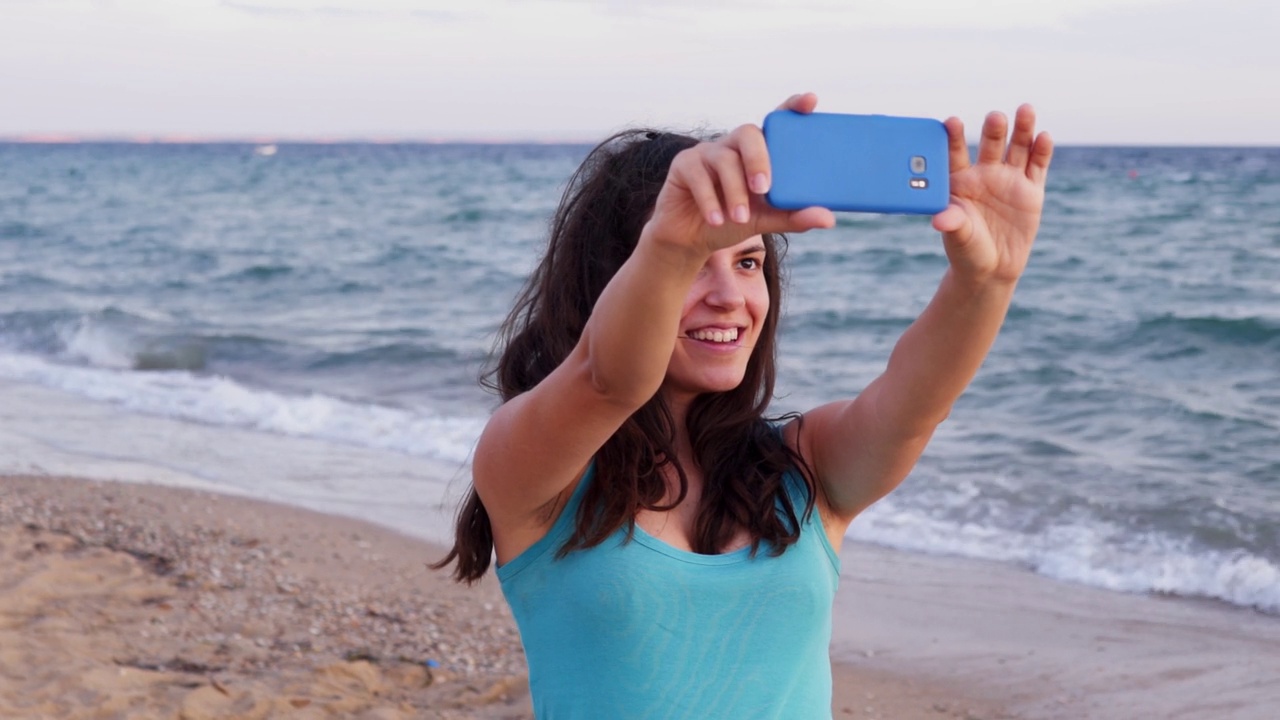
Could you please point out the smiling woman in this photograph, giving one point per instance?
(720, 324)
(668, 550)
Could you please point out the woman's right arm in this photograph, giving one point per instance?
(538, 444)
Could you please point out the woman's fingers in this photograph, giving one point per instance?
(957, 146)
(954, 220)
(991, 145)
(726, 180)
(726, 165)
(801, 220)
(1024, 133)
(765, 219)
(749, 142)
(1041, 154)
(690, 171)
(1026, 150)
(721, 176)
(801, 103)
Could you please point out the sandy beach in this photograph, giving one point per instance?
(122, 600)
(126, 600)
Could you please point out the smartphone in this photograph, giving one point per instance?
(858, 163)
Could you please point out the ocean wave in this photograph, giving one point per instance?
(864, 221)
(807, 323)
(260, 272)
(467, 215)
(222, 401)
(1087, 551)
(1243, 331)
(31, 330)
(120, 340)
(16, 230)
(103, 340)
(399, 353)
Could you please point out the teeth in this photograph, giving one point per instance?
(715, 335)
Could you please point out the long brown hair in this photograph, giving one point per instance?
(739, 450)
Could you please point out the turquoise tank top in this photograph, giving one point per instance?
(642, 629)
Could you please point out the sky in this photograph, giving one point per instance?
(1202, 72)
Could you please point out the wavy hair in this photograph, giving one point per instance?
(740, 452)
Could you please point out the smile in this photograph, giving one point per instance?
(718, 336)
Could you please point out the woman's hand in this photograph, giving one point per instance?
(861, 449)
(714, 194)
(991, 223)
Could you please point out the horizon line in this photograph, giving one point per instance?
(265, 139)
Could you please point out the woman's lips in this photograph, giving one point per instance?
(715, 335)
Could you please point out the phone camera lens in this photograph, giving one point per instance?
(918, 164)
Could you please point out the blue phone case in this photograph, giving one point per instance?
(860, 163)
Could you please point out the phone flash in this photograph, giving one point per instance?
(919, 183)
(918, 165)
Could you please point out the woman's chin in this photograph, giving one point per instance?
(691, 387)
(720, 384)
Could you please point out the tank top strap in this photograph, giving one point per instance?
(557, 534)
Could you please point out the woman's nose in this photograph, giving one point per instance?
(725, 291)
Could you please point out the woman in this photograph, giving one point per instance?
(667, 551)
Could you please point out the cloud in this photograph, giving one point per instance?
(379, 9)
(860, 14)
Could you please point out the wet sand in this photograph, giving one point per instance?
(1050, 650)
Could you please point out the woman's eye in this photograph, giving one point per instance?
(749, 263)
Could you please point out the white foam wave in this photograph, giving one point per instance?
(221, 401)
(97, 344)
(1077, 549)
(1089, 552)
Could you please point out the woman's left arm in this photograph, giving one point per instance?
(861, 449)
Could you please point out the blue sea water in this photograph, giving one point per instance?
(309, 326)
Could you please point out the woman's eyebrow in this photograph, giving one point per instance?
(752, 250)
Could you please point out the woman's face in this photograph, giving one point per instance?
(721, 322)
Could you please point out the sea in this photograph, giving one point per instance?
(306, 323)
